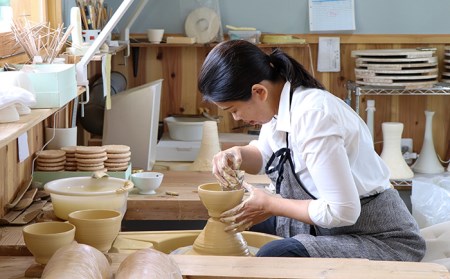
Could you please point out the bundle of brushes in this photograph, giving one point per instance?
(94, 14)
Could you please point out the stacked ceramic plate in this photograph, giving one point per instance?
(408, 68)
(445, 77)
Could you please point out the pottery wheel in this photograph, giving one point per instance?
(188, 250)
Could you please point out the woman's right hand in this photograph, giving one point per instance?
(225, 164)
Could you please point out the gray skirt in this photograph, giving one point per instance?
(385, 229)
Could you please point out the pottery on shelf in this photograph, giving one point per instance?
(213, 240)
(428, 162)
(392, 153)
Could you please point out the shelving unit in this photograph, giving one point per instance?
(358, 91)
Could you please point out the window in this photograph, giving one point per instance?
(34, 10)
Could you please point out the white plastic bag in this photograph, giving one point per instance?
(430, 200)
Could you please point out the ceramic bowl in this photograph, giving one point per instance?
(96, 227)
(43, 239)
(79, 193)
(147, 182)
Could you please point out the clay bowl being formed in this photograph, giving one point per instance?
(218, 201)
(43, 239)
(96, 227)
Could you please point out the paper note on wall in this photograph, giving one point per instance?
(329, 56)
(331, 15)
(23, 150)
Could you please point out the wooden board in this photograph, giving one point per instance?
(204, 267)
(405, 85)
(399, 73)
(409, 68)
(402, 60)
(395, 66)
(399, 53)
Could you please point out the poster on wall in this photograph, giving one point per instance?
(331, 15)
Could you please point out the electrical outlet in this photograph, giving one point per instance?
(407, 145)
(407, 149)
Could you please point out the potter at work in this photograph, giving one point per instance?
(333, 196)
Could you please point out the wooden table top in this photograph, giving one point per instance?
(252, 267)
(184, 206)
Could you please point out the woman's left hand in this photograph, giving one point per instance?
(252, 210)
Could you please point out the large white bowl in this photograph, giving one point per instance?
(78, 193)
(185, 128)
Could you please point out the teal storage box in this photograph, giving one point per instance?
(54, 84)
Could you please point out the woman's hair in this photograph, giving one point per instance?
(233, 67)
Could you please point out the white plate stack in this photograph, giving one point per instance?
(408, 68)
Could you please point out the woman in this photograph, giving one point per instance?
(333, 195)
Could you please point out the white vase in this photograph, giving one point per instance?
(392, 153)
(428, 162)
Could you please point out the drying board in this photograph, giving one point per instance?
(445, 76)
(133, 121)
(408, 68)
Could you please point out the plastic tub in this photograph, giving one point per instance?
(78, 193)
(185, 128)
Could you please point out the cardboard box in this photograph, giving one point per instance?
(43, 177)
(54, 84)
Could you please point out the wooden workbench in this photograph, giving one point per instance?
(204, 267)
(185, 206)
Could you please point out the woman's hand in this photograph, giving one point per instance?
(225, 164)
(251, 211)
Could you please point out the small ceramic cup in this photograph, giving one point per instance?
(43, 239)
(96, 227)
(147, 182)
(155, 36)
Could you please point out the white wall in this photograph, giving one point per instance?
(291, 16)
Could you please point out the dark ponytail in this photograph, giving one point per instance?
(293, 71)
(233, 67)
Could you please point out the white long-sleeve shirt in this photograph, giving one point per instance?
(332, 151)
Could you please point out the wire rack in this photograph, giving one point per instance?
(441, 88)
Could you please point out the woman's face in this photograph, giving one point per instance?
(256, 111)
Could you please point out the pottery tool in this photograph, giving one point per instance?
(26, 200)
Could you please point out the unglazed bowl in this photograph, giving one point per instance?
(43, 239)
(96, 227)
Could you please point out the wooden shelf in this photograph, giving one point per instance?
(143, 43)
(11, 131)
(112, 51)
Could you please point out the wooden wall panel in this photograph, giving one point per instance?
(15, 175)
(179, 67)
